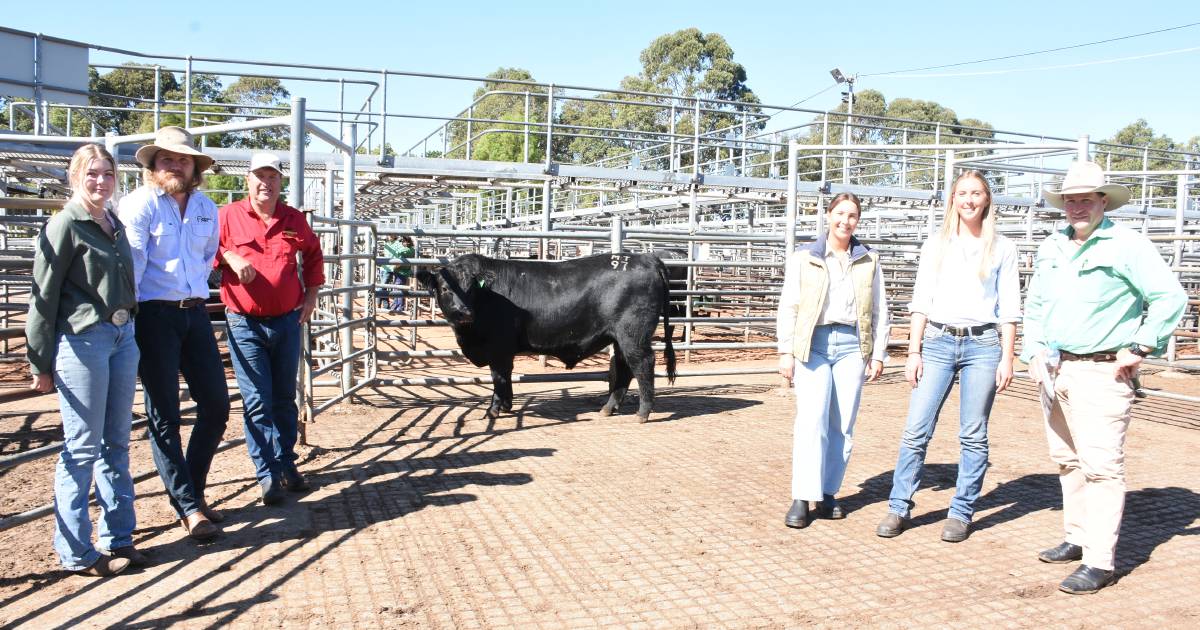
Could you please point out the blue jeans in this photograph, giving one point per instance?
(95, 373)
(266, 355)
(174, 341)
(974, 359)
(828, 387)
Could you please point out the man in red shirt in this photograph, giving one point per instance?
(266, 301)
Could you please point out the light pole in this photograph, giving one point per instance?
(848, 98)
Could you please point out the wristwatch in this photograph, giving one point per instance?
(1138, 349)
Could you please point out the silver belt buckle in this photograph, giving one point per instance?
(120, 317)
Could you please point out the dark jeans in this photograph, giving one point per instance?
(266, 355)
(172, 341)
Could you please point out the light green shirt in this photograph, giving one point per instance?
(1092, 298)
(396, 249)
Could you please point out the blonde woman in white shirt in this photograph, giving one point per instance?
(832, 328)
(966, 302)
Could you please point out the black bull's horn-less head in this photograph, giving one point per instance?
(456, 289)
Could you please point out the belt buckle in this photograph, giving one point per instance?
(957, 331)
(120, 317)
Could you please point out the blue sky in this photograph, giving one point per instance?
(787, 48)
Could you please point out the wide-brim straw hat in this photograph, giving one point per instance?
(1087, 177)
(175, 140)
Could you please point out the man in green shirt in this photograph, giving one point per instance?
(1085, 338)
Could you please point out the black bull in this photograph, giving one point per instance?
(569, 310)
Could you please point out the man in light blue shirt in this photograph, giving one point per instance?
(1085, 338)
(172, 231)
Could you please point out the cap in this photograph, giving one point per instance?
(265, 160)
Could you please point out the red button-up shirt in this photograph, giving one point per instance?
(271, 250)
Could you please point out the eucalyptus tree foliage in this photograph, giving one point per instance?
(1153, 151)
(499, 113)
(911, 121)
(676, 69)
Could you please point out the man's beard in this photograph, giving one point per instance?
(170, 183)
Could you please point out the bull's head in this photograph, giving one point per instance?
(456, 287)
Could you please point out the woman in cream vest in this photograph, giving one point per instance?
(832, 328)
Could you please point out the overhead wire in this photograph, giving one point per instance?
(1031, 53)
(940, 75)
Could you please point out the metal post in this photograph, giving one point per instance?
(549, 138)
(547, 203)
(695, 147)
(157, 96)
(38, 122)
(508, 205)
(937, 139)
(793, 205)
(383, 121)
(824, 152)
(1082, 148)
(674, 164)
(347, 334)
(1145, 186)
(949, 181)
(524, 139)
(187, 93)
(846, 137)
(904, 162)
(470, 133)
(1181, 202)
(296, 183)
(693, 211)
(616, 242)
(342, 108)
(744, 123)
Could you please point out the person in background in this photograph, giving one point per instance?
(1101, 300)
(965, 308)
(266, 303)
(832, 330)
(399, 274)
(172, 231)
(80, 334)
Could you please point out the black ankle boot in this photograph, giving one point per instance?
(797, 516)
(830, 508)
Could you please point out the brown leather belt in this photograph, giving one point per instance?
(1098, 357)
(188, 303)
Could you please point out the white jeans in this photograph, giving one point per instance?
(827, 387)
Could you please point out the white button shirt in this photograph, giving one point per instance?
(953, 294)
(172, 255)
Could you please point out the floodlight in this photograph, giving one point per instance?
(837, 75)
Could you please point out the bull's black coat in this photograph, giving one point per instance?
(569, 310)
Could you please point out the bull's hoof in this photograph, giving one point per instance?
(493, 412)
(643, 419)
(606, 411)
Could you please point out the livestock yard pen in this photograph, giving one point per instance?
(429, 514)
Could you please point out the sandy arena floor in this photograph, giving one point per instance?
(429, 515)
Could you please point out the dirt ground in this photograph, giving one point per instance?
(427, 514)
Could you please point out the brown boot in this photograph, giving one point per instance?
(105, 566)
(135, 557)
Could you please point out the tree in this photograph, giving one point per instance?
(678, 66)
(908, 120)
(1152, 154)
(258, 97)
(499, 99)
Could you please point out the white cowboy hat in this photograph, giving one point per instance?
(1087, 177)
(175, 140)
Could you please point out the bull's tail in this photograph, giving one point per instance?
(668, 329)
